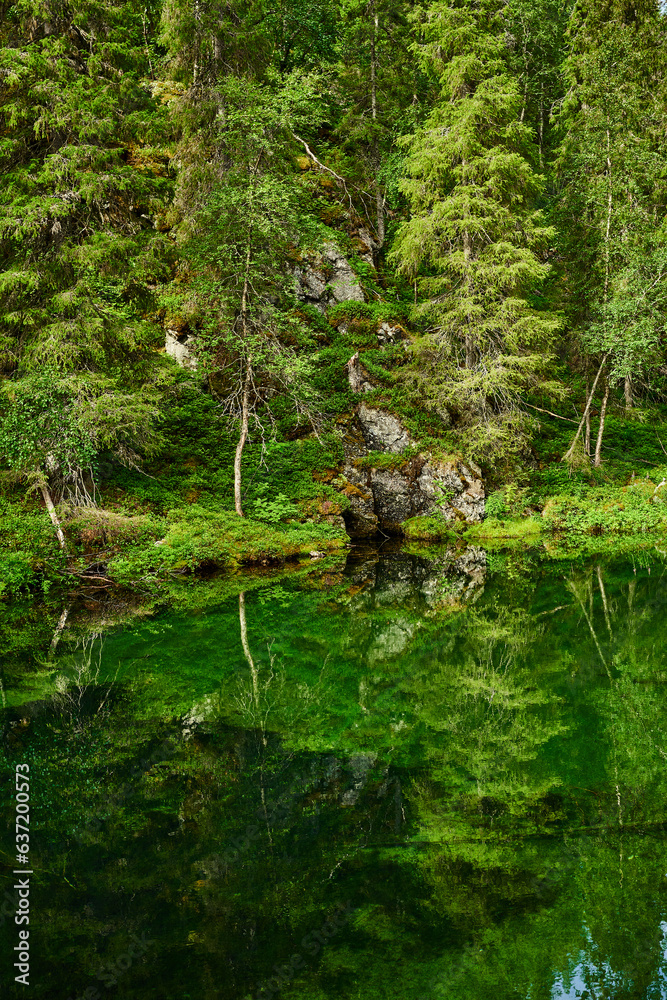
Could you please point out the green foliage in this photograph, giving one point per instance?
(636, 508)
(428, 529)
(29, 552)
(510, 501)
(199, 538)
(611, 211)
(273, 511)
(474, 243)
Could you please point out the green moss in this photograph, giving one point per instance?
(428, 529)
(197, 538)
(387, 460)
(493, 528)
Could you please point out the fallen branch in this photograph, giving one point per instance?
(323, 166)
(540, 410)
(90, 576)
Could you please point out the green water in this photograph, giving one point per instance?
(415, 778)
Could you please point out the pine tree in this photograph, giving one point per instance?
(83, 180)
(242, 228)
(473, 243)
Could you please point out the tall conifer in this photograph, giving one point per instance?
(473, 242)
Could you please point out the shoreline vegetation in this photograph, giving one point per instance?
(271, 284)
(145, 552)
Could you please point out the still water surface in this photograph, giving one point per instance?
(415, 777)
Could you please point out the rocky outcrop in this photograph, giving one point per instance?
(179, 346)
(382, 431)
(327, 280)
(383, 498)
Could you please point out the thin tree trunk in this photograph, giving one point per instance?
(598, 445)
(629, 402)
(587, 430)
(609, 211)
(247, 383)
(570, 451)
(52, 514)
(541, 129)
(242, 438)
(467, 257)
(379, 199)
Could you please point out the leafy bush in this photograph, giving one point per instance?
(29, 552)
(274, 511)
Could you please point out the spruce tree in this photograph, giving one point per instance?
(84, 181)
(474, 243)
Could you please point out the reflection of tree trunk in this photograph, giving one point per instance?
(52, 514)
(254, 674)
(604, 602)
(590, 626)
(58, 632)
(598, 445)
(246, 651)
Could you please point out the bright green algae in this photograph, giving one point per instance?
(425, 777)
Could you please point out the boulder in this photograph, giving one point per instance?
(382, 431)
(178, 346)
(361, 521)
(328, 280)
(344, 283)
(384, 498)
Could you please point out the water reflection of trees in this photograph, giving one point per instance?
(486, 781)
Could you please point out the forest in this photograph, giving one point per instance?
(276, 276)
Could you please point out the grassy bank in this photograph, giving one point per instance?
(105, 546)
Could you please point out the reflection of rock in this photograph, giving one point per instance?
(392, 597)
(178, 346)
(416, 583)
(391, 642)
(360, 765)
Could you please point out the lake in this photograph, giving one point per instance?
(415, 775)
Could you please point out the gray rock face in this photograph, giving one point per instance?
(178, 346)
(344, 284)
(382, 499)
(361, 521)
(388, 334)
(382, 431)
(328, 280)
(395, 498)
